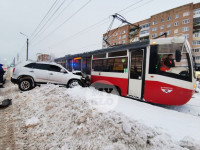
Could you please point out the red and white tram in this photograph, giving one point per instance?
(139, 70)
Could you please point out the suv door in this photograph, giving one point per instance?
(41, 73)
(56, 76)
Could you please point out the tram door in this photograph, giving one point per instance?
(136, 73)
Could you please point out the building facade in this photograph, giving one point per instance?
(44, 57)
(183, 20)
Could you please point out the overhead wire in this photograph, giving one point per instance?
(54, 4)
(105, 19)
(38, 26)
(49, 19)
(56, 17)
(65, 21)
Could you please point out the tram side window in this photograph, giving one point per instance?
(77, 64)
(136, 65)
(70, 65)
(162, 61)
(96, 56)
(110, 65)
(99, 65)
(120, 53)
(86, 66)
(120, 65)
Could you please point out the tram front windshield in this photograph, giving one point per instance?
(163, 61)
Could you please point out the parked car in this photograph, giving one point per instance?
(5, 74)
(29, 74)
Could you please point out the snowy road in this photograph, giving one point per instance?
(64, 118)
(177, 124)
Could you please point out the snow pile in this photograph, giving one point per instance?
(62, 119)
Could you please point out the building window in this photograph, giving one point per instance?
(154, 22)
(124, 32)
(154, 29)
(145, 25)
(168, 32)
(184, 29)
(169, 18)
(169, 25)
(197, 57)
(176, 16)
(144, 32)
(162, 27)
(153, 35)
(176, 31)
(196, 21)
(196, 42)
(124, 36)
(187, 36)
(196, 11)
(176, 23)
(196, 34)
(186, 14)
(161, 33)
(162, 20)
(186, 21)
(196, 50)
(119, 37)
(124, 41)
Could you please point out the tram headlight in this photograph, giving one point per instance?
(153, 43)
(194, 86)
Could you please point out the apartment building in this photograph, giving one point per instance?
(183, 20)
(117, 36)
(196, 34)
(43, 57)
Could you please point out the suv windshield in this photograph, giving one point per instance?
(162, 61)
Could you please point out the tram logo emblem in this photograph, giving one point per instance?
(166, 89)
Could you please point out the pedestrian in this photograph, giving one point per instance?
(1, 76)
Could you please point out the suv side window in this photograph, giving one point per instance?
(54, 68)
(42, 66)
(31, 65)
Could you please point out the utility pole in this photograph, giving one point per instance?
(26, 44)
(27, 51)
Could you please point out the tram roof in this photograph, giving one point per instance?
(136, 45)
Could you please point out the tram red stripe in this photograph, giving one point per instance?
(122, 83)
(162, 93)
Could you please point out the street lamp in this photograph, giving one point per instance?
(27, 44)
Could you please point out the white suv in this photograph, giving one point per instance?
(29, 74)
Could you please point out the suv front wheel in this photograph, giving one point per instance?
(73, 83)
(25, 85)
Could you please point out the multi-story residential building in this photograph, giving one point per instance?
(43, 57)
(117, 36)
(196, 34)
(183, 20)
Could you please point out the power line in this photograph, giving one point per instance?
(130, 6)
(57, 16)
(44, 18)
(66, 20)
(82, 31)
(140, 6)
(49, 19)
(86, 29)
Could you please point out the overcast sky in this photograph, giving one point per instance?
(65, 30)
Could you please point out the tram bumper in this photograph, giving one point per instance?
(85, 81)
